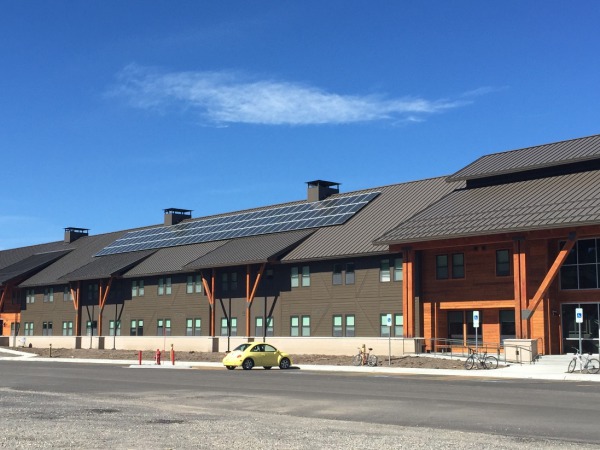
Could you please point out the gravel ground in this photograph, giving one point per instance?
(405, 361)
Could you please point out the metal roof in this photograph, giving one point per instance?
(554, 202)
(29, 265)
(395, 204)
(172, 259)
(8, 257)
(251, 250)
(540, 156)
(107, 266)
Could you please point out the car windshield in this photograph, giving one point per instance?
(241, 347)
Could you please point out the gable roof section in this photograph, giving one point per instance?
(172, 259)
(251, 250)
(541, 156)
(545, 203)
(107, 266)
(395, 204)
(12, 256)
(29, 265)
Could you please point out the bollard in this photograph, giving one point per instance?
(50, 350)
(172, 355)
(157, 357)
(140, 357)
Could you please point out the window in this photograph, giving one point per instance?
(46, 328)
(350, 330)
(338, 329)
(163, 327)
(194, 284)
(507, 324)
(93, 292)
(137, 288)
(305, 276)
(398, 275)
(13, 327)
(269, 326)
(581, 268)
(91, 328)
(337, 274)
(398, 325)
(384, 271)
(67, 295)
(114, 328)
(28, 328)
(137, 328)
(67, 328)
(224, 331)
(30, 296)
(193, 327)
(164, 286)
(259, 328)
(295, 277)
(442, 269)
(48, 295)
(294, 326)
(502, 263)
(458, 265)
(225, 282)
(384, 330)
(305, 325)
(350, 273)
(234, 281)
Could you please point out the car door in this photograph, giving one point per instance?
(258, 355)
(271, 354)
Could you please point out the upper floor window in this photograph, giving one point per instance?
(582, 266)
(93, 292)
(164, 286)
(305, 276)
(502, 263)
(67, 295)
(337, 274)
(194, 284)
(137, 288)
(398, 275)
(48, 295)
(384, 271)
(349, 273)
(300, 277)
(446, 267)
(30, 296)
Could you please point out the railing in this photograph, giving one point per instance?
(459, 348)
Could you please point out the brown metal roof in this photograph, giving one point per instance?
(172, 259)
(251, 250)
(554, 202)
(12, 256)
(29, 265)
(107, 266)
(395, 204)
(540, 156)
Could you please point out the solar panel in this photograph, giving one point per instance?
(333, 211)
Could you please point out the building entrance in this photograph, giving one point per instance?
(589, 327)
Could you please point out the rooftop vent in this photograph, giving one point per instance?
(72, 233)
(320, 190)
(174, 215)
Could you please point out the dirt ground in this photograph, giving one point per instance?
(404, 361)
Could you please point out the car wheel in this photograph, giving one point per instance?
(284, 363)
(248, 364)
(230, 367)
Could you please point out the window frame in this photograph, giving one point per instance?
(500, 264)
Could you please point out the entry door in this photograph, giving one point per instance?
(589, 327)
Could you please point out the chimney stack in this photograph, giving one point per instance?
(175, 215)
(320, 190)
(72, 234)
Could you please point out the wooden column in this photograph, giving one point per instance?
(520, 288)
(210, 294)
(408, 292)
(103, 295)
(250, 294)
(75, 294)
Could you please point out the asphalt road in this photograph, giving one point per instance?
(530, 413)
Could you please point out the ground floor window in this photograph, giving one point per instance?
(28, 329)
(398, 325)
(224, 326)
(193, 327)
(137, 328)
(91, 328)
(507, 324)
(460, 326)
(259, 326)
(589, 327)
(163, 327)
(46, 328)
(67, 328)
(114, 328)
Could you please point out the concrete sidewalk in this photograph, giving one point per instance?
(548, 368)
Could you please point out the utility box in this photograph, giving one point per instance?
(520, 350)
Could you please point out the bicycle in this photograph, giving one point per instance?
(586, 363)
(481, 360)
(363, 358)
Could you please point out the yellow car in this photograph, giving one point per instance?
(253, 354)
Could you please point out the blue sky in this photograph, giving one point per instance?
(111, 111)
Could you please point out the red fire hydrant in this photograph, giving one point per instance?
(157, 356)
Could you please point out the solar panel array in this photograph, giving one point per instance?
(335, 211)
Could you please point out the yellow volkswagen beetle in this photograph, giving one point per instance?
(253, 354)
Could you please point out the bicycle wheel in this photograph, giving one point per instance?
(372, 361)
(470, 362)
(572, 366)
(357, 360)
(491, 362)
(593, 365)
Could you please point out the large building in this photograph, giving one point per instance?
(513, 235)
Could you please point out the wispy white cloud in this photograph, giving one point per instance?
(223, 98)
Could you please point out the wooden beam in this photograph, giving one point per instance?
(4, 291)
(477, 304)
(75, 294)
(250, 294)
(210, 294)
(552, 273)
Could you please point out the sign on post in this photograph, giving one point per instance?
(476, 326)
(388, 321)
(579, 320)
